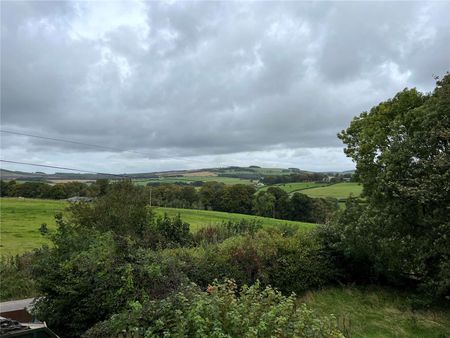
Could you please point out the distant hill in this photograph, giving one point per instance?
(251, 172)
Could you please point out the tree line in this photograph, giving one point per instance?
(238, 198)
(53, 191)
(243, 199)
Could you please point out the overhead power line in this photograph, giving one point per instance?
(91, 145)
(62, 168)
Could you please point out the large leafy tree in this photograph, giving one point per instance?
(402, 155)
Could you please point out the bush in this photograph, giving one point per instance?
(222, 311)
(292, 264)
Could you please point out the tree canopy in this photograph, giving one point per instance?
(402, 156)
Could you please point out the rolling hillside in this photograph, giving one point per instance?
(21, 219)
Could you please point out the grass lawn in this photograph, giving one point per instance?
(339, 190)
(20, 220)
(199, 218)
(376, 312)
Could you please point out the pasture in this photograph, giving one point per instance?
(295, 186)
(199, 218)
(340, 191)
(20, 220)
(190, 179)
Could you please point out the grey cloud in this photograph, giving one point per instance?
(206, 78)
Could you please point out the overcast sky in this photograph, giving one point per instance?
(201, 84)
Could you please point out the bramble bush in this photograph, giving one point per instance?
(292, 264)
(223, 310)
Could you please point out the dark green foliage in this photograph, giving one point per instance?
(301, 207)
(93, 268)
(238, 198)
(123, 211)
(281, 206)
(264, 204)
(173, 230)
(174, 195)
(211, 195)
(402, 154)
(292, 264)
(56, 191)
(276, 203)
(43, 229)
(223, 310)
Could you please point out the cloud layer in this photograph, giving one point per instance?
(216, 83)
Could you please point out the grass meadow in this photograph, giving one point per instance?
(375, 312)
(340, 191)
(296, 186)
(199, 218)
(21, 218)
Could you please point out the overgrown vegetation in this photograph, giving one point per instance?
(114, 265)
(16, 281)
(107, 253)
(221, 311)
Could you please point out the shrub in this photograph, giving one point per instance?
(292, 264)
(222, 311)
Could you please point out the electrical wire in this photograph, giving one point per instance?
(92, 145)
(62, 168)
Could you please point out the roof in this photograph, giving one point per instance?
(15, 305)
(12, 328)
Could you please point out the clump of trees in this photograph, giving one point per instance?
(276, 203)
(401, 148)
(52, 191)
(238, 198)
(241, 198)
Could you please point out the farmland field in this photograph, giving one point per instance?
(295, 186)
(20, 220)
(189, 179)
(199, 218)
(340, 191)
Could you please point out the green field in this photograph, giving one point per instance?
(340, 191)
(199, 218)
(20, 220)
(295, 186)
(190, 179)
(376, 312)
